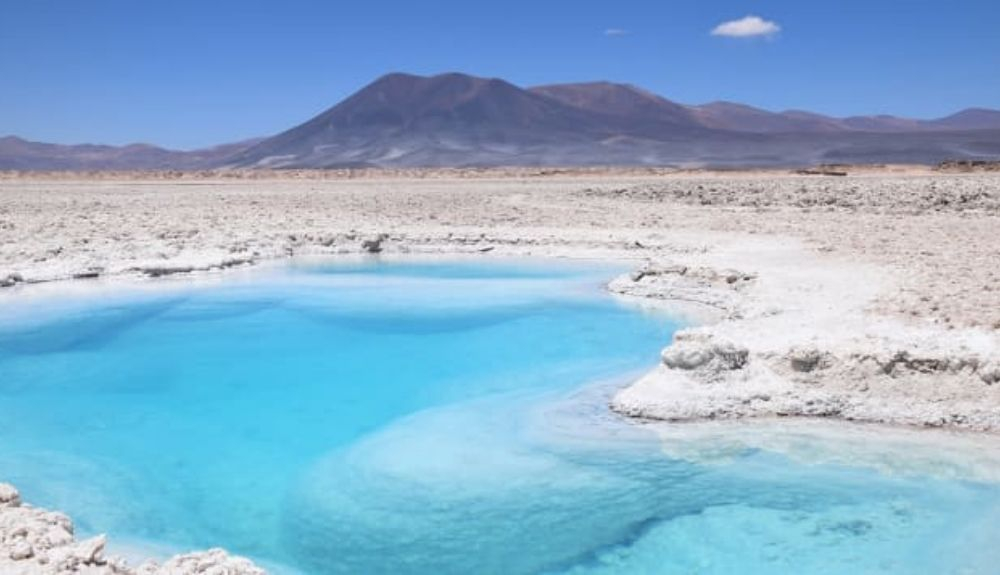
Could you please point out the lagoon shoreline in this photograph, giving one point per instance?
(871, 298)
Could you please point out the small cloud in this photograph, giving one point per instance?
(616, 32)
(747, 27)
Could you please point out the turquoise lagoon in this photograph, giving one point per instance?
(426, 417)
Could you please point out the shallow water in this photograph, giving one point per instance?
(426, 418)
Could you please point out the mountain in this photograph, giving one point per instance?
(460, 120)
(881, 123)
(415, 120)
(735, 117)
(19, 154)
(970, 119)
(742, 118)
(626, 108)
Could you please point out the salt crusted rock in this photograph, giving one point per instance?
(211, 562)
(697, 353)
(20, 550)
(9, 497)
(74, 557)
(700, 275)
(716, 288)
(805, 359)
(35, 541)
(11, 279)
(989, 372)
(373, 245)
(687, 355)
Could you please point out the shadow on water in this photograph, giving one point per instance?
(81, 330)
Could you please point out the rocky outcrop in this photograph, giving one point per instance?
(793, 349)
(969, 166)
(718, 289)
(704, 354)
(373, 245)
(211, 562)
(703, 377)
(11, 280)
(39, 542)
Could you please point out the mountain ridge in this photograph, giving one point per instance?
(455, 119)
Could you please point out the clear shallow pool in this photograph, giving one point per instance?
(430, 419)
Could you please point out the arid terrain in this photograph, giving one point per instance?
(871, 297)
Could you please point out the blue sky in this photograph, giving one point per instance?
(185, 74)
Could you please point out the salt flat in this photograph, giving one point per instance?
(885, 281)
(873, 297)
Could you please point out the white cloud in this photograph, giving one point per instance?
(616, 32)
(747, 27)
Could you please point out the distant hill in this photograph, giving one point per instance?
(970, 119)
(461, 120)
(19, 154)
(735, 117)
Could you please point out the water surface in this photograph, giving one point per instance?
(425, 418)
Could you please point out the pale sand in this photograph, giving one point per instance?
(873, 297)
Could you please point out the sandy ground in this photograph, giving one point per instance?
(873, 297)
